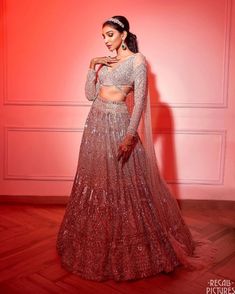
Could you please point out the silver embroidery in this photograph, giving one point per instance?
(111, 228)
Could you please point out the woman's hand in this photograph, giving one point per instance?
(107, 60)
(126, 147)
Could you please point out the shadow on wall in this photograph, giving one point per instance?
(162, 119)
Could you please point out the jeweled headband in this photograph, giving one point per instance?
(116, 21)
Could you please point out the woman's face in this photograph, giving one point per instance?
(112, 37)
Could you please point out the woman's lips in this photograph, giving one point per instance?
(108, 46)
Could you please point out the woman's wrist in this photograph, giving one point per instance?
(129, 139)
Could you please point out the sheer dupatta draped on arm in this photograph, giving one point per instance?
(166, 205)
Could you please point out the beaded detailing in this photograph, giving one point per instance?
(92, 85)
(110, 106)
(111, 229)
(131, 72)
(115, 225)
(140, 91)
(112, 19)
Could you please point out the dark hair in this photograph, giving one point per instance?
(131, 39)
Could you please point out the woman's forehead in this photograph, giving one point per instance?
(108, 28)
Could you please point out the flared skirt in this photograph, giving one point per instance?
(111, 228)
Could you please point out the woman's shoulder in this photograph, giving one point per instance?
(139, 58)
(139, 55)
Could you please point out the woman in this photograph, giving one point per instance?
(121, 221)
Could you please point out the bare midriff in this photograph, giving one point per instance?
(112, 93)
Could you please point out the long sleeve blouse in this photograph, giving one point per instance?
(132, 72)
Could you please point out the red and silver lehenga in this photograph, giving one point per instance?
(121, 221)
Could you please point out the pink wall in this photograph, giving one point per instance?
(46, 47)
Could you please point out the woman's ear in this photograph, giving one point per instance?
(124, 34)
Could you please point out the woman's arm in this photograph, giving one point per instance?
(140, 91)
(92, 84)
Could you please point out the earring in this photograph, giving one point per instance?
(123, 45)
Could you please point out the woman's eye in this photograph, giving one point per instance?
(107, 35)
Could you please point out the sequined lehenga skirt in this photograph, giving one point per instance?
(111, 229)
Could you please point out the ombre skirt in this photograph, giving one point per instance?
(111, 229)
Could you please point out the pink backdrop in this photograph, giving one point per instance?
(46, 47)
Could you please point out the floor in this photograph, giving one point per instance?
(29, 262)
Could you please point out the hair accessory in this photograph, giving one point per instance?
(116, 21)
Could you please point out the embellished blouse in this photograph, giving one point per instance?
(131, 72)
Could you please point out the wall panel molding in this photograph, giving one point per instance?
(217, 181)
(8, 176)
(222, 153)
